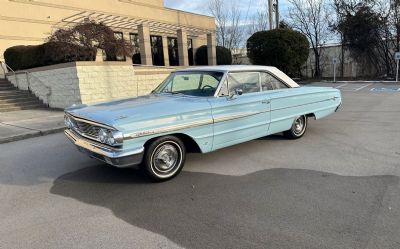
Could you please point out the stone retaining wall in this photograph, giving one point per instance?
(63, 85)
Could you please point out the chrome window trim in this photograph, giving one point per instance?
(250, 71)
(217, 92)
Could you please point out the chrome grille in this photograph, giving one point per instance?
(86, 129)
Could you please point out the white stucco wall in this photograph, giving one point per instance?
(63, 85)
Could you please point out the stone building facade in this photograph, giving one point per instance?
(161, 36)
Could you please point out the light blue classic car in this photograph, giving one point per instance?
(196, 110)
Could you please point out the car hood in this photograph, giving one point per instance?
(150, 107)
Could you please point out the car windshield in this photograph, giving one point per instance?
(191, 83)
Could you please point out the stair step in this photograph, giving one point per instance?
(2, 88)
(29, 99)
(17, 108)
(24, 103)
(17, 96)
(11, 90)
(14, 93)
(14, 99)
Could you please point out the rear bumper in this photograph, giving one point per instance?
(114, 156)
(337, 108)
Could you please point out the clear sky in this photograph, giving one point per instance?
(200, 6)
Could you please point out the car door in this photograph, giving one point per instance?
(241, 112)
(283, 99)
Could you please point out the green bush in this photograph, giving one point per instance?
(224, 56)
(50, 53)
(285, 49)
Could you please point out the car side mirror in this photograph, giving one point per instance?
(238, 91)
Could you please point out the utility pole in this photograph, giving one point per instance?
(270, 15)
(277, 14)
(273, 6)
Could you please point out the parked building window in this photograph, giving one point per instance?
(157, 50)
(134, 38)
(173, 51)
(190, 52)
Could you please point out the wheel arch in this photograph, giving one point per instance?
(311, 115)
(190, 144)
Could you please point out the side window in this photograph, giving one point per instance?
(248, 82)
(210, 81)
(184, 82)
(269, 82)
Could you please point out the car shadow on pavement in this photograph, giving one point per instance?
(276, 208)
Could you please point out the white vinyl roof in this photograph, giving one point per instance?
(239, 68)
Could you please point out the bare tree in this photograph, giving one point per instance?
(94, 36)
(259, 21)
(311, 18)
(228, 18)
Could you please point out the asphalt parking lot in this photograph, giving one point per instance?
(337, 187)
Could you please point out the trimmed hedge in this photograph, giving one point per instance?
(50, 53)
(285, 49)
(224, 56)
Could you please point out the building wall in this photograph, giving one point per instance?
(28, 22)
(63, 85)
(351, 68)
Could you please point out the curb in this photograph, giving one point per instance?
(31, 135)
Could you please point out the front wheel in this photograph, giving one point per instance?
(298, 128)
(164, 158)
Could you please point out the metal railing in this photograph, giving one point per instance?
(27, 75)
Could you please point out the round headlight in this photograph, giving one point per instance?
(103, 135)
(110, 137)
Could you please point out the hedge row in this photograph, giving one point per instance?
(224, 56)
(50, 53)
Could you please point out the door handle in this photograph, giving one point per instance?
(267, 101)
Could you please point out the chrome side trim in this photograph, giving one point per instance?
(98, 148)
(167, 129)
(173, 128)
(237, 116)
(277, 109)
(217, 119)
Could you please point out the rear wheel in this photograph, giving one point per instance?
(164, 158)
(298, 128)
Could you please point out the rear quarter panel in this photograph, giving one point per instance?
(287, 104)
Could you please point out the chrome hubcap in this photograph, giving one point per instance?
(298, 125)
(165, 158)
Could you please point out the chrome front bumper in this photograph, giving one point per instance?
(114, 156)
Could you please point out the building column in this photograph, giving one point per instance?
(211, 49)
(145, 45)
(165, 51)
(182, 48)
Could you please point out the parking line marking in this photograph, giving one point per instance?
(341, 85)
(363, 87)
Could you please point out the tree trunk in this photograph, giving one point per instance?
(317, 64)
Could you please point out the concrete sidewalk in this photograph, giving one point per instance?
(24, 124)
